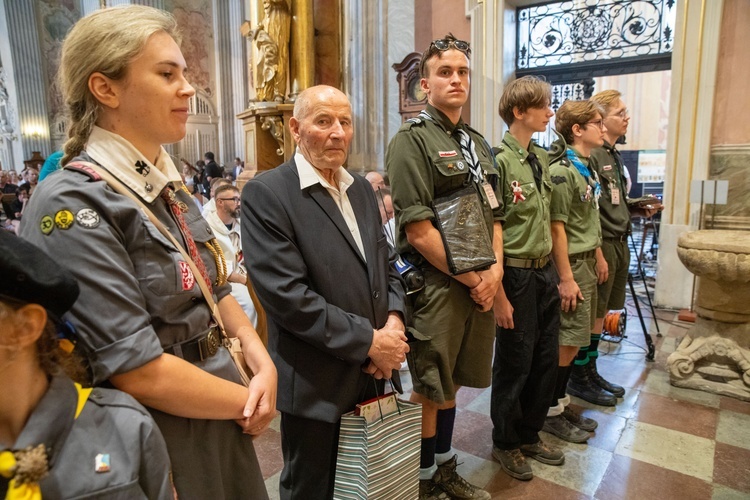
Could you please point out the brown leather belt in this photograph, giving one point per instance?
(582, 256)
(198, 349)
(526, 263)
(619, 239)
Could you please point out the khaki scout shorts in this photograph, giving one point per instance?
(612, 291)
(459, 349)
(576, 326)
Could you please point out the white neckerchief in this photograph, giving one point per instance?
(125, 162)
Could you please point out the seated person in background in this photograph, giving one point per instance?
(13, 177)
(33, 177)
(385, 204)
(18, 206)
(6, 186)
(44, 415)
(210, 205)
(377, 181)
(225, 222)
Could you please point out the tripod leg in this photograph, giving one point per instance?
(645, 287)
(646, 335)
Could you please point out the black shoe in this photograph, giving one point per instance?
(580, 385)
(615, 389)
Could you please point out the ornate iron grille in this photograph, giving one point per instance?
(586, 31)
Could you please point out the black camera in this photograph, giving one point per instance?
(412, 276)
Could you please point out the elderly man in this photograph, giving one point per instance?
(225, 222)
(317, 255)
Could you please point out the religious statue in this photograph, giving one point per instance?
(278, 25)
(271, 38)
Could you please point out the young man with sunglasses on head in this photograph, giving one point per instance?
(576, 236)
(527, 306)
(432, 156)
(613, 258)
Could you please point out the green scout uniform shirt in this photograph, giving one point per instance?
(574, 203)
(424, 162)
(526, 231)
(615, 219)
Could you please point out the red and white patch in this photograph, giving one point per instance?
(188, 280)
(607, 167)
(447, 154)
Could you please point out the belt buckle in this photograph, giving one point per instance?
(209, 345)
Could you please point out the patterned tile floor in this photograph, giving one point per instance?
(658, 442)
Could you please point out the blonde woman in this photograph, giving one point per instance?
(143, 323)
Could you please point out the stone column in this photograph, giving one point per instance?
(29, 81)
(692, 95)
(365, 72)
(231, 76)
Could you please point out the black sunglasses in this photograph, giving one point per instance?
(444, 44)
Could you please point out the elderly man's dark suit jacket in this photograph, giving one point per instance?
(322, 299)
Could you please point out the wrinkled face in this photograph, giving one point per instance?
(617, 120)
(376, 180)
(535, 119)
(592, 133)
(448, 80)
(152, 108)
(324, 134)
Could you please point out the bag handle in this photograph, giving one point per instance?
(378, 396)
(118, 186)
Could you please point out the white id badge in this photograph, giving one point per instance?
(615, 196)
(490, 194)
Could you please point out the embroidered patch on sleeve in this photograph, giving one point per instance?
(558, 179)
(88, 218)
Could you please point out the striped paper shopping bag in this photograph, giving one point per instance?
(379, 460)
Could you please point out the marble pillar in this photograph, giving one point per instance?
(692, 95)
(366, 70)
(30, 82)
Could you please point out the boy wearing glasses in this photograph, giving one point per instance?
(431, 156)
(576, 235)
(527, 305)
(613, 259)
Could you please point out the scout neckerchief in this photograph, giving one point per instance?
(586, 173)
(467, 149)
(25, 468)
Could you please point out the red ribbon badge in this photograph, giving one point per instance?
(188, 280)
(517, 192)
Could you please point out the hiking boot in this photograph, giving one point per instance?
(583, 423)
(616, 390)
(454, 485)
(429, 490)
(513, 463)
(542, 452)
(580, 385)
(560, 427)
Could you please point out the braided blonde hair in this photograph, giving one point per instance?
(105, 41)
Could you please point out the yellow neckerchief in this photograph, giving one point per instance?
(8, 462)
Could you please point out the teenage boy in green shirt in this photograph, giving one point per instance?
(527, 305)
